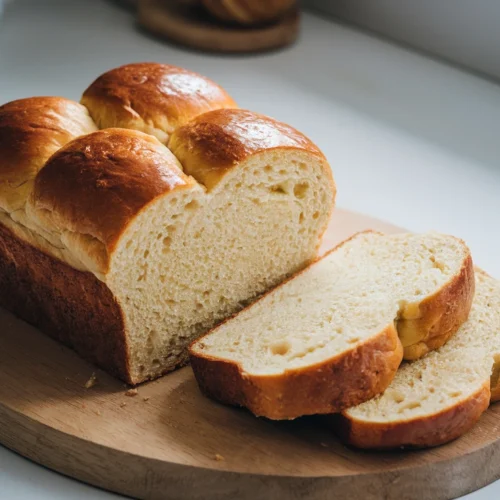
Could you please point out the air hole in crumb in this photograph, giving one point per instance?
(418, 291)
(398, 398)
(278, 189)
(268, 168)
(315, 215)
(166, 242)
(301, 217)
(237, 185)
(409, 406)
(455, 394)
(353, 340)
(191, 205)
(199, 305)
(156, 363)
(146, 253)
(141, 368)
(431, 389)
(300, 189)
(302, 166)
(129, 243)
(282, 171)
(281, 348)
(339, 329)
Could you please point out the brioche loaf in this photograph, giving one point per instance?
(127, 250)
(328, 338)
(437, 398)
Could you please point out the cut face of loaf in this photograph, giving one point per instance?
(127, 250)
(440, 397)
(328, 337)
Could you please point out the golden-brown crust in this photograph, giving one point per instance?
(213, 143)
(31, 130)
(95, 185)
(426, 431)
(71, 306)
(327, 387)
(152, 97)
(440, 315)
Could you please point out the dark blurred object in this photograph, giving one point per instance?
(193, 24)
(247, 12)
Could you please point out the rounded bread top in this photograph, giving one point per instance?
(97, 184)
(212, 143)
(31, 130)
(153, 98)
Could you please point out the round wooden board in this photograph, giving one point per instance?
(193, 27)
(170, 442)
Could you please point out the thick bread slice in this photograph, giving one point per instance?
(438, 398)
(329, 336)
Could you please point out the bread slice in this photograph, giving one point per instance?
(329, 337)
(438, 398)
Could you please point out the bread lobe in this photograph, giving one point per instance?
(153, 98)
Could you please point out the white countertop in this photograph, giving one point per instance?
(410, 140)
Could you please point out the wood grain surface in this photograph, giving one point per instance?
(170, 442)
(192, 26)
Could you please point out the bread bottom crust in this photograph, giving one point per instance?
(423, 432)
(327, 387)
(71, 306)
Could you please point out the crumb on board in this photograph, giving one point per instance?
(218, 457)
(131, 393)
(324, 445)
(91, 381)
(122, 405)
(146, 399)
(98, 413)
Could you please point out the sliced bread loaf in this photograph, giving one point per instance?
(436, 399)
(127, 245)
(328, 337)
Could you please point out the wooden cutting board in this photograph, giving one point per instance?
(170, 442)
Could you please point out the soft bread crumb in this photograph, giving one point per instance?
(91, 381)
(131, 393)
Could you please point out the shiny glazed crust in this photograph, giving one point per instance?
(427, 431)
(96, 184)
(31, 130)
(211, 144)
(152, 97)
